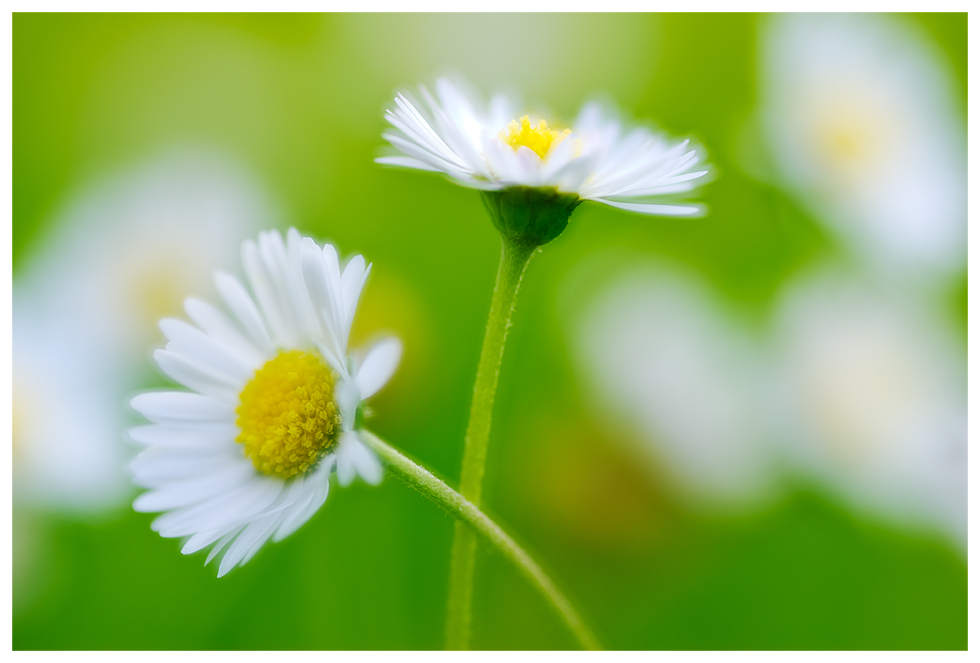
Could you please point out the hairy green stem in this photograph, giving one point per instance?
(466, 512)
(513, 260)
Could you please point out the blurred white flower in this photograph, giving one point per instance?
(662, 357)
(873, 397)
(86, 301)
(859, 113)
(247, 455)
(496, 148)
(129, 249)
(67, 426)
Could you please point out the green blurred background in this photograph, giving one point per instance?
(298, 99)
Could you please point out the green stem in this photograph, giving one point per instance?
(513, 260)
(466, 512)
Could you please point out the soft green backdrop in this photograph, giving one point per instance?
(299, 99)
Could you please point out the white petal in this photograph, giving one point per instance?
(378, 366)
(365, 462)
(419, 152)
(181, 406)
(318, 276)
(267, 292)
(217, 325)
(571, 177)
(352, 286)
(185, 493)
(346, 471)
(151, 469)
(655, 210)
(193, 377)
(206, 436)
(354, 459)
(304, 317)
(202, 540)
(200, 349)
(250, 535)
(321, 487)
(238, 300)
(304, 494)
(221, 544)
(233, 508)
(407, 162)
(262, 540)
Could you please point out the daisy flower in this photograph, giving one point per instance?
(246, 455)
(666, 362)
(872, 396)
(860, 115)
(497, 149)
(68, 453)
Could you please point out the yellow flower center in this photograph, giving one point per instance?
(539, 138)
(287, 415)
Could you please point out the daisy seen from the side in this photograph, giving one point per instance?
(532, 175)
(521, 161)
(246, 455)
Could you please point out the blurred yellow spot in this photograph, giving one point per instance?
(157, 293)
(539, 138)
(153, 281)
(851, 136)
(21, 419)
(287, 415)
(848, 142)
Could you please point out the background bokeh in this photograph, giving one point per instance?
(273, 120)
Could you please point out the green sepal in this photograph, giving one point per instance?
(530, 216)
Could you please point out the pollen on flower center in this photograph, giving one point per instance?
(288, 417)
(539, 138)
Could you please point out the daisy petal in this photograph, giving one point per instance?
(658, 210)
(181, 406)
(237, 299)
(378, 367)
(365, 462)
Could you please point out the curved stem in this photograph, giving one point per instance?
(466, 512)
(513, 261)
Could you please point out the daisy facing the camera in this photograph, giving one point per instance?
(246, 455)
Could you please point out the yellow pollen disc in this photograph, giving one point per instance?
(287, 415)
(539, 138)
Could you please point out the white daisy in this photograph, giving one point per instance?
(68, 452)
(247, 455)
(872, 394)
(861, 118)
(663, 359)
(495, 148)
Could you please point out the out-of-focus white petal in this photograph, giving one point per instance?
(366, 463)
(378, 367)
(354, 459)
